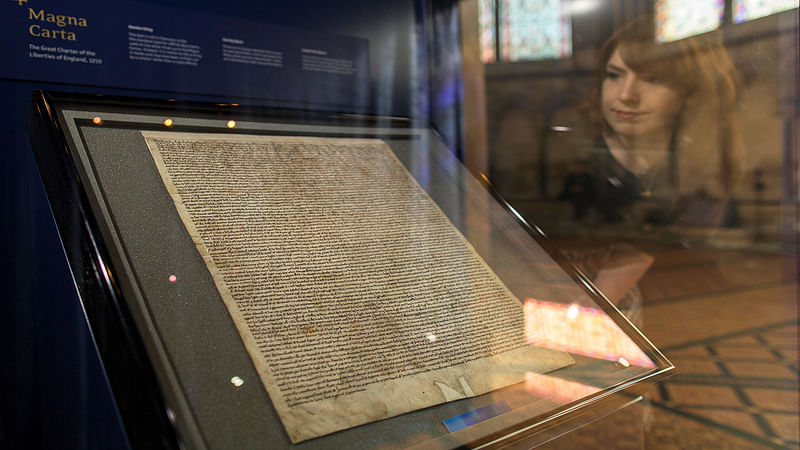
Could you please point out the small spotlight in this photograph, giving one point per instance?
(97, 120)
(237, 381)
(231, 123)
(572, 312)
(173, 278)
(168, 122)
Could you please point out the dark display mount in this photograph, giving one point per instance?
(169, 350)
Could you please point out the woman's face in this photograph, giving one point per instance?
(637, 104)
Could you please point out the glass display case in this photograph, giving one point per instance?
(319, 280)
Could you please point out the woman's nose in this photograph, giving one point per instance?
(629, 91)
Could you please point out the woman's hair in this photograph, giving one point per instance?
(705, 139)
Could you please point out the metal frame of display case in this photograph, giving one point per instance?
(153, 407)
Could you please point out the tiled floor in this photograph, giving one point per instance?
(727, 320)
(742, 384)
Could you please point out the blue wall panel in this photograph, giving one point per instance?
(54, 394)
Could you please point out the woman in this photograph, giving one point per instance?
(662, 138)
(664, 132)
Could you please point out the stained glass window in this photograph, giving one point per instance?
(744, 10)
(528, 29)
(535, 29)
(486, 24)
(678, 19)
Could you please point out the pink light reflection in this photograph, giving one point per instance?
(561, 391)
(581, 331)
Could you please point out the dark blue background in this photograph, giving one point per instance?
(54, 394)
(107, 36)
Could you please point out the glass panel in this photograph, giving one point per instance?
(744, 10)
(538, 29)
(678, 19)
(307, 246)
(666, 171)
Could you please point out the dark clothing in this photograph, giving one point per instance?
(616, 188)
(579, 189)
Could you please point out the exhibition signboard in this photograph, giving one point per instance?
(169, 50)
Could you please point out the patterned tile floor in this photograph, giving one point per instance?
(741, 384)
(727, 320)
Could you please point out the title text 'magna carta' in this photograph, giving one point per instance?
(58, 20)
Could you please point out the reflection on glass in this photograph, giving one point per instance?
(580, 330)
(535, 29)
(557, 389)
(678, 19)
(693, 219)
(476, 416)
(662, 147)
(486, 24)
(744, 10)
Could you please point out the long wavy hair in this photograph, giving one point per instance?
(705, 140)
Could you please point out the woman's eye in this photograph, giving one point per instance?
(612, 75)
(653, 79)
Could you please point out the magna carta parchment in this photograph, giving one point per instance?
(356, 297)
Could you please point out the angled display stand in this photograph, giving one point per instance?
(267, 277)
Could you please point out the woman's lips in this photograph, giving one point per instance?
(626, 115)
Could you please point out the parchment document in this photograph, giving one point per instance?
(355, 295)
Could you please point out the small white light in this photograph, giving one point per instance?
(572, 312)
(581, 6)
(430, 336)
(623, 362)
(559, 128)
(236, 381)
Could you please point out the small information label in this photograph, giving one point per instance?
(476, 416)
(146, 47)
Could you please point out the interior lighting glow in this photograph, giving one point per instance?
(237, 381)
(572, 312)
(591, 333)
(231, 123)
(562, 391)
(168, 122)
(97, 120)
(173, 278)
(678, 19)
(744, 10)
(581, 6)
